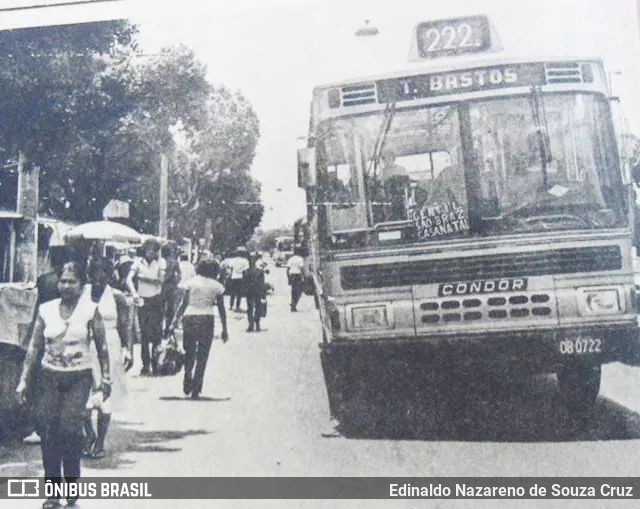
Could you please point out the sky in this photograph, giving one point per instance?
(276, 51)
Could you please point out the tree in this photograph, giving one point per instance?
(119, 138)
(229, 201)
(43, 71)
(96, 118)
(211, 179)
(266, 239)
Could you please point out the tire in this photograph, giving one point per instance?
(579, 385)
(335, 367)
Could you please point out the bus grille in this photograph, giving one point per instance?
(568, 72)
(471, 268)
(357, 95)
(493, 308)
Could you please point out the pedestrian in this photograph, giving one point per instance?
(255, 291)
(201, 294)
(170, 283)
(261, 263)
(122, 268)
(47, 286)
(236, 265)
(295, 275)
(47, 283)
(149, 271)
(187, 269)
(61, 339)
(116, 312)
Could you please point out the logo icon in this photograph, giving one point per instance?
(23, 488)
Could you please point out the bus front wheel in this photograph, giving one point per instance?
(336, 368)
(579, 385)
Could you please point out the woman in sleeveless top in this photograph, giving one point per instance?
(116, 314)
(60, 342)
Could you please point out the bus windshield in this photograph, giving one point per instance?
(497, 166)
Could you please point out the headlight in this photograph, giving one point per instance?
(601, 301)
(370, 317)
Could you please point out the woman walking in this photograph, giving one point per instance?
(255, 290)
(116, 313)
(170, 283)
(149, 271)
(201, 294)
(60, 343)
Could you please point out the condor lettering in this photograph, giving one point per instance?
(485, 286)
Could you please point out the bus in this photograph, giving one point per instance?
(471, 211)
(283, 250)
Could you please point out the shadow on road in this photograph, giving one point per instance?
(481, 408)
(17, 458)
(123, 440)
(187, 399)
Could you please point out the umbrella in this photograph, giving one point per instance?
(103, 230)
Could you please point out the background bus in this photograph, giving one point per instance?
(283, 250)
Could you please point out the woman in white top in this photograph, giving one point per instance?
(201, 294)
(117, 316)
(61, 338)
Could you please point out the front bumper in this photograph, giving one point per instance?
(535, 351)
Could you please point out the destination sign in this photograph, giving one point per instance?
(453, 36)
(468, 80)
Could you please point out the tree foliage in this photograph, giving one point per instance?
(266, 240)
(211, 178)
(82, 105)
(44, 72)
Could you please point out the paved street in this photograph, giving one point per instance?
(264, 413)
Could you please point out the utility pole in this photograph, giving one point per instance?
(24, 236)
(164, 195)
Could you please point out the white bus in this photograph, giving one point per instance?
(473, 211)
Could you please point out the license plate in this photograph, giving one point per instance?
(581, 345)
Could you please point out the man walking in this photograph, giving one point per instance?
(295, 275)
(236, 266)
(149, 271)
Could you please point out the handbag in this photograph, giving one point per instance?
(309, 287)
(262, 307)
(170, 356)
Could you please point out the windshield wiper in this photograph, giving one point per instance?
(542, 130)
(378, 148)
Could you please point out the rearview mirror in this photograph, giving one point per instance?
(621, 138)
(306, 167)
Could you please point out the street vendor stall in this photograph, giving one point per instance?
(17, 307)
(18, 272)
